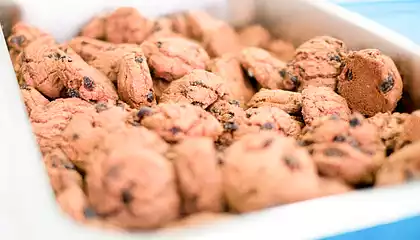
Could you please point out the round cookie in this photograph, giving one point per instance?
(134, 187)
(269, 119)
(370, 82)
(127, 25)
(173, 57)
(322, 101)
(199, 176)
(401, 167)
(264, 67)
(317, 62)
(254, 36)
(265, 169)
(290, 102)
(199, 88)
(175, 121)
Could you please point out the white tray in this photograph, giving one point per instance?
(28, 209)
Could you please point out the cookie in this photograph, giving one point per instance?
(254, 36)
(175, 121)
(290, 102)
(264, 67)
(32, 98)
(127, 25)
(49, 121)
(390, 127)
(229, 69)
(134, 187)
(370, 82)
(317, 62)
(172, 58)
(231, 116)
(89, 48)
(268, 118)
(199, 88)
(135, 85)
(95, 28)
(199, 175)
(266, 169)
(281, 49)
(401, 167)
(322, 101)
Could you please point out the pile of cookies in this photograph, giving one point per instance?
(160, 123)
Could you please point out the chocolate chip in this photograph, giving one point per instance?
(283, 73)
(230, 126)
(88, 83)
(248, 115)
(291, 162)
(100, 107)
(159, 44)
(333, 152)
(387, 84)
(234, 102)
(144, 111)
(126, 196)
(305, 143)
(75, 136)
(175, 130)
(349, 74)
(150, 97)
(18, 40)
(88, 212)
(294, 80)
(335, 58)
(267, 126)
(197, 103)
(138, 59)
(354, 122)
(73, 93)
(339, 138)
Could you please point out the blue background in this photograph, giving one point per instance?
(402, 16)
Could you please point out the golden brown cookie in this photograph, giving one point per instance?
(265, 169)
(370, 82)
(199, 88)
(199, 175)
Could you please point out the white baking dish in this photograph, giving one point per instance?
(28, 209)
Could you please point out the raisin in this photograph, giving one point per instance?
(73, 93)
(387, 84)
(234, 102)
(291, 162)
(230, 126)
(175, 130)
(144, 111)
(349, 75)
(100, 107)
(339, 138)
(18, 40)
(267, 126)
(150, 97)
(354, 122)
(283, 73)
(138, 59)
(88, 212)
(88, 83)
(333, 152)
(126, 197)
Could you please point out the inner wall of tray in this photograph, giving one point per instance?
(289, 21)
